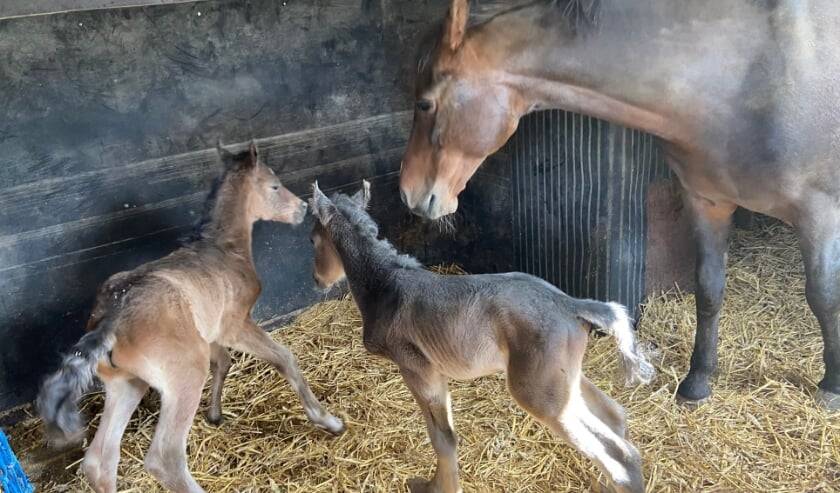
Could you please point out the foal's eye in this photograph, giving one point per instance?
(424, 105)
(275, 187)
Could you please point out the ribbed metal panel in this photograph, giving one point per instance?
(579, 216)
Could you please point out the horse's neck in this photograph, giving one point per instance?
(649, 64)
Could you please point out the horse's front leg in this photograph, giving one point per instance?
(712, 222)
(432, 395)
(820, 244)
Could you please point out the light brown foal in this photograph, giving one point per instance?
(437, 327)
(163, 324)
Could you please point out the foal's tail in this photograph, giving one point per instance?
(612, 319)
(57, 402)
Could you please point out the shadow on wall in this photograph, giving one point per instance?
(47, 310)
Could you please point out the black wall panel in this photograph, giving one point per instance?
(107, 123)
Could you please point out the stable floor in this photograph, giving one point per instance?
(761, 430)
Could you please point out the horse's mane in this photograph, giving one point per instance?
(581, 16)
(367, 228)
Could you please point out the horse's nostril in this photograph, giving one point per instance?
(432, 198)
(403, 197)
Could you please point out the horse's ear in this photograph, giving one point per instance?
(455, 25)
(321, 206)
(362, 197)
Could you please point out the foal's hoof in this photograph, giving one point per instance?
(214, 420)
(828, 400)
(418, 485)
(331, 424)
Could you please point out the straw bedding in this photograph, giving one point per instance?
(760, 432)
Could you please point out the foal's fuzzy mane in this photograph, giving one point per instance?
(203, 227)
(365, 225)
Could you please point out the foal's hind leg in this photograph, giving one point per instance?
(432, 395)
(253, 340)
(219, 366)
(180, 395)
(820, 244)
(604, 407)
(122, 395)
(549, 389)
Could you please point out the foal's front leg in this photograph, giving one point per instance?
(252, 339)
(432, 395)
(219, 366)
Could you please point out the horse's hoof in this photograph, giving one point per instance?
(828, 400)
(693, 391)
(691, 403)
(214, 420)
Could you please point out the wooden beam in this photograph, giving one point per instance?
(26, 8)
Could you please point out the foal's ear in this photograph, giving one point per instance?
(228, 158)
(253, 154)
(225, 155)
(321, 206)
(455, 25)
(362, 197)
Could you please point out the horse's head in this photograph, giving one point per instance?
(328, 268)
(464, 112)
(267, 198)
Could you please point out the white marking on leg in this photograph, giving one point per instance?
(575, 417)
(449, 410)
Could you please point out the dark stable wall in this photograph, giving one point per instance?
(107, 123)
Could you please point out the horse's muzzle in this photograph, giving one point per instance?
(300, 215)
(428, 206)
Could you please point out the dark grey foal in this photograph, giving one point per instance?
(438, 327)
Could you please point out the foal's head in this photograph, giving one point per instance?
(249, 179)
(464, 112)
(329, 269)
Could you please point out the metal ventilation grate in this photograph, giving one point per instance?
(579, 216)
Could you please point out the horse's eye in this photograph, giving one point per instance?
(275, 187)
(424, 105)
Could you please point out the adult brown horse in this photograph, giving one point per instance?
(742, 92)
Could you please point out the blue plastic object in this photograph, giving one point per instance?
(12, 477)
